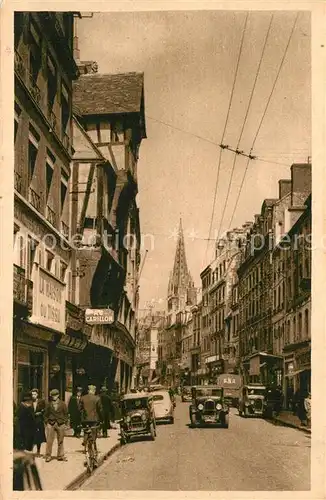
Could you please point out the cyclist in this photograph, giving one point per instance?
(92, 414)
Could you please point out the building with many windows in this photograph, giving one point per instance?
(44, 319)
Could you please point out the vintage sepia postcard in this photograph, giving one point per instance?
(162, 251)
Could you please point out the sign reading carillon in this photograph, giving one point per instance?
(50, 308)
(99, 316)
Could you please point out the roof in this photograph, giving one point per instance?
(136, 395)
(108, 93)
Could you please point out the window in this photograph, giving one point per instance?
(31, 251)
(51, 81)
(35, 58)
(48, 260)
(17, 117)
(33, 143)
(65, 108)
(294, 329)
(300, 326)
(306, 323)
(21, 252)
(49, 176)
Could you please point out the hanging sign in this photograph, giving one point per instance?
(99, 316)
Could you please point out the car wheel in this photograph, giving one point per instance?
(225, 423)
(193, 420)
(172, 420)
(246, 413)
(240, 412)
(152, 431)
(123, 439)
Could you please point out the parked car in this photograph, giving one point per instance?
(208, 406)
(25, 473)
(137, 416)
(186, 393)
(252, 400)
(163, 406)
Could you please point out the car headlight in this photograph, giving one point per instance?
(247, 403)
(219, 406)
(200, 407)
(143, 417)
(128, 419)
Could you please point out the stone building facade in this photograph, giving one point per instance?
(47, 328)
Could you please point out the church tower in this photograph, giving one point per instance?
(181, 290)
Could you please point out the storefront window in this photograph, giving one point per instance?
(30, 364)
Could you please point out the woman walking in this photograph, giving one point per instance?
(39, 409)
(25, 424)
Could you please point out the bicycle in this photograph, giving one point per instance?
(90, 434)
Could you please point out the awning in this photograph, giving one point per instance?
(297, 372)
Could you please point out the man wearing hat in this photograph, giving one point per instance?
(74, 409)
(108, 410)
(91, 411)
(55, 418)
(24, 431)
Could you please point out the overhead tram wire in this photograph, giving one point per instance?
(262, 119)
(245, 121)
(224, 130)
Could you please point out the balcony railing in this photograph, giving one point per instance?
(64, 229)
(33, 88)
(18, 182)
(66, 141)
(19, 285)
(52, 119)
(35, 199)
(23, 288)
(50, 215)
(19, 66)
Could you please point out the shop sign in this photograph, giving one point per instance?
(101, 337)
(50, 306)
(72, 343)
(99, 316)
(73, 323)
(303, 359)
(254, 366)
(211, 359)
(289, 368)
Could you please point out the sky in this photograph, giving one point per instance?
(189, 61)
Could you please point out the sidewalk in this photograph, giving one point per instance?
(57, 475)
(287, 418)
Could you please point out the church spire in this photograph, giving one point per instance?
(180, 279)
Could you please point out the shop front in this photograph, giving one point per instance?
(265, 369)
(215, 365)
(30, 359)
(297, 368)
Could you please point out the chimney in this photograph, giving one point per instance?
(284, 187)
(301, 183)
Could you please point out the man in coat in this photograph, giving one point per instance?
(25, 424)
(92, 412)
(74, 409)
(38, 409)
(108, 410)
(56, 419)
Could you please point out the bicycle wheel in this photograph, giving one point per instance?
(90, 456)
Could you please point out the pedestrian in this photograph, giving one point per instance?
(39, 409)
(25, 424)
(74, 409)
(55, 418)
(300, 407)
(307, 405)
(92, 413)
(108, 410)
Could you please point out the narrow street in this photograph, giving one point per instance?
(251, 455)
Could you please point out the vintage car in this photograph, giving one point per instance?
(186, 393)
(208, 406)
(137, 416)
(163, 406)
(252, 400)
(25, 473)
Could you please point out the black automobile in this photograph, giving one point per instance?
(208, 406)
(137, 416)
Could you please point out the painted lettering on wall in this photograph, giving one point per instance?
(51, 311)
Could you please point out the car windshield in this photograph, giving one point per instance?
(206, 392)
(135, 404)
(158, 397)
(256, 392)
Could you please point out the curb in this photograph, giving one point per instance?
(81, 478)
(289, 424)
